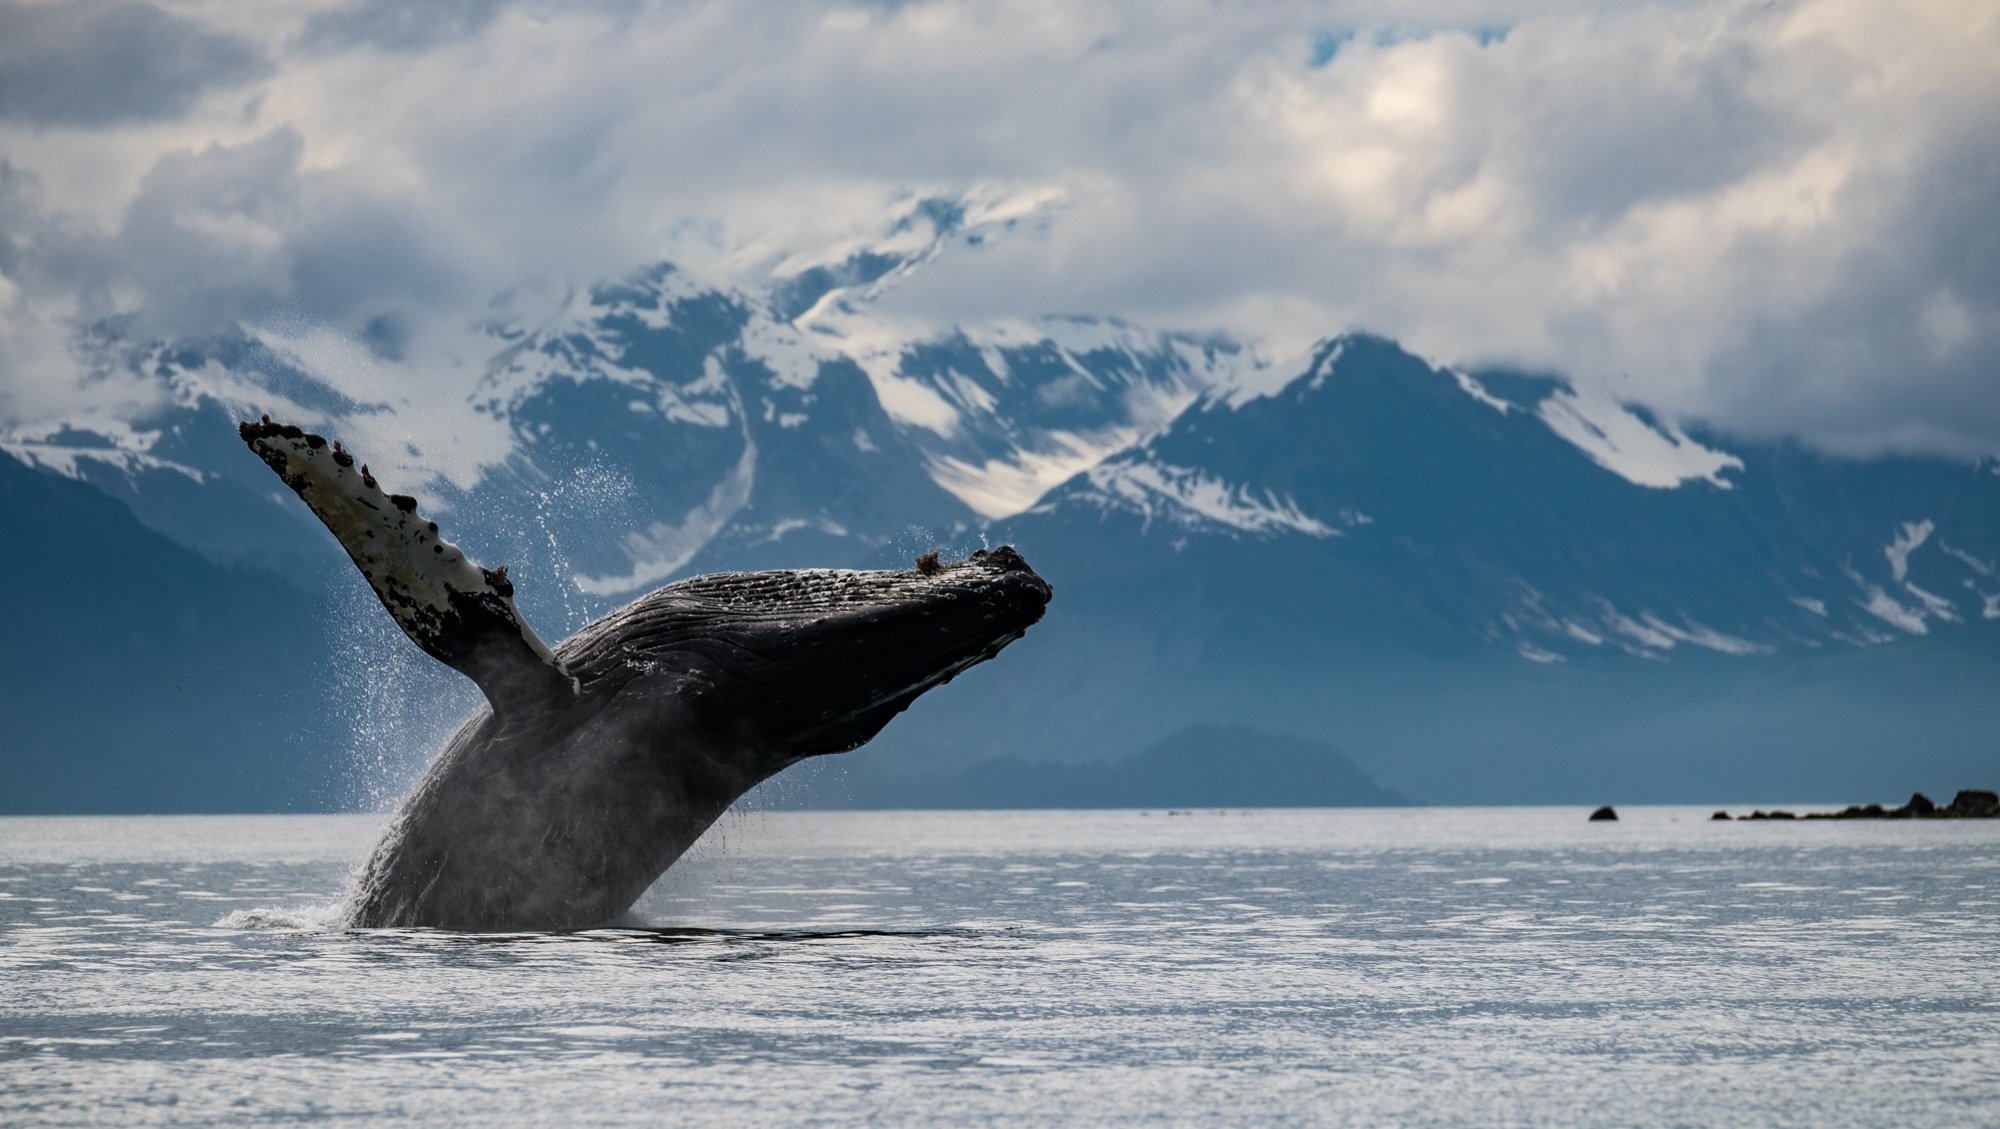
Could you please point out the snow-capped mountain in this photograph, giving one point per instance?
(709, 434)
(1511, 509)
(661, 423)
(1485, 586)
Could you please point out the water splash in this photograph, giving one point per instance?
(404, 704)
(311, 919)
(593, 497)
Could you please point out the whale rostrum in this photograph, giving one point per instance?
(596, 763)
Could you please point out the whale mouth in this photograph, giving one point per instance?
(930, 626)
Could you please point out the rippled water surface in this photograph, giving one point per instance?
(1417, 967)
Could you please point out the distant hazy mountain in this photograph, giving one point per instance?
(1202, 766)
(1485, 587)
(139, 676)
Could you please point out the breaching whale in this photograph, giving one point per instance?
(596, 763)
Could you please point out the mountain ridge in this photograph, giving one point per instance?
(1420, 565)
(141, 677)
(1200, 766)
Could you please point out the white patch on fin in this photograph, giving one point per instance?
(452, 608)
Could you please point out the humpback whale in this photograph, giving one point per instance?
(595, 763)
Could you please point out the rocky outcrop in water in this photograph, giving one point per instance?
(1968, 804)
(1971, 803)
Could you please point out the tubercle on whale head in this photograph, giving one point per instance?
(1004, 559)
(1000, 580)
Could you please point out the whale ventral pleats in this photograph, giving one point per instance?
(459, 613)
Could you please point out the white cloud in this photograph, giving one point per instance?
(93, 63)
(1777, 217)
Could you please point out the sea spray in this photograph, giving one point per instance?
(595, 493)
(307, 919)
(402, 705)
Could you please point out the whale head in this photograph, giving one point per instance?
(788, 665)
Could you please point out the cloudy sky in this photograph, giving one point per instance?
(1774, 217)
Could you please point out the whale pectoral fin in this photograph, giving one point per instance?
(461, 614)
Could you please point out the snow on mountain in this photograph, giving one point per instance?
(1197, 500)
(69, 452)
(1549, 523)
(1425, 565)
(677, 420)
(731, 440)
(1632, 443)
(674, 420)
(1419, 565)
(1003, 411)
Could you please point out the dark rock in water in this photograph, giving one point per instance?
(1969, 804)
(1973, 804)
(1769, 815)
(1604, 813)
(1873, 811)
(1919, 807)
(1718, 815)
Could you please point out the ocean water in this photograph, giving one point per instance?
(1409, 967)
